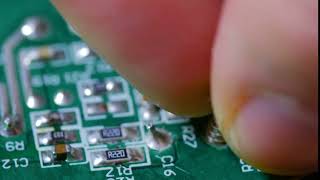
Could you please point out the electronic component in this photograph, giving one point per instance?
(117, 156)
(212, 134)
(111, 87)
(110, 135)
(55, 118)
(62, 153)
(43, 53)
(56, 137)
(104, 135)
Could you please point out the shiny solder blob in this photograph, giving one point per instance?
(213, 135)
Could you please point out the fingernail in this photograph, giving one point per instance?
(277, 134)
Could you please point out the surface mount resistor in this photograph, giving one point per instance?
(117, 156)
(56, 137)
(44, 53)
(110, 135)
(110, 87)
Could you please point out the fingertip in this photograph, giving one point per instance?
(264, 84)
(277, 135)
(162, 47)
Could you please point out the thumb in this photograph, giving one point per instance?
(265, 83)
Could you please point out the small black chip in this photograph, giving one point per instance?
(59, 54)
(58, 136)
(117, 155)
(99, 88)
(110, 133)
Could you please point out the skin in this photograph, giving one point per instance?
(253, 63)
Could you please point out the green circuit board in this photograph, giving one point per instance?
(66, 114)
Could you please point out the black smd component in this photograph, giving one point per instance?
(117, 155)
(99, 88)
(58, 137)
(61, 152)
(110, 133)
